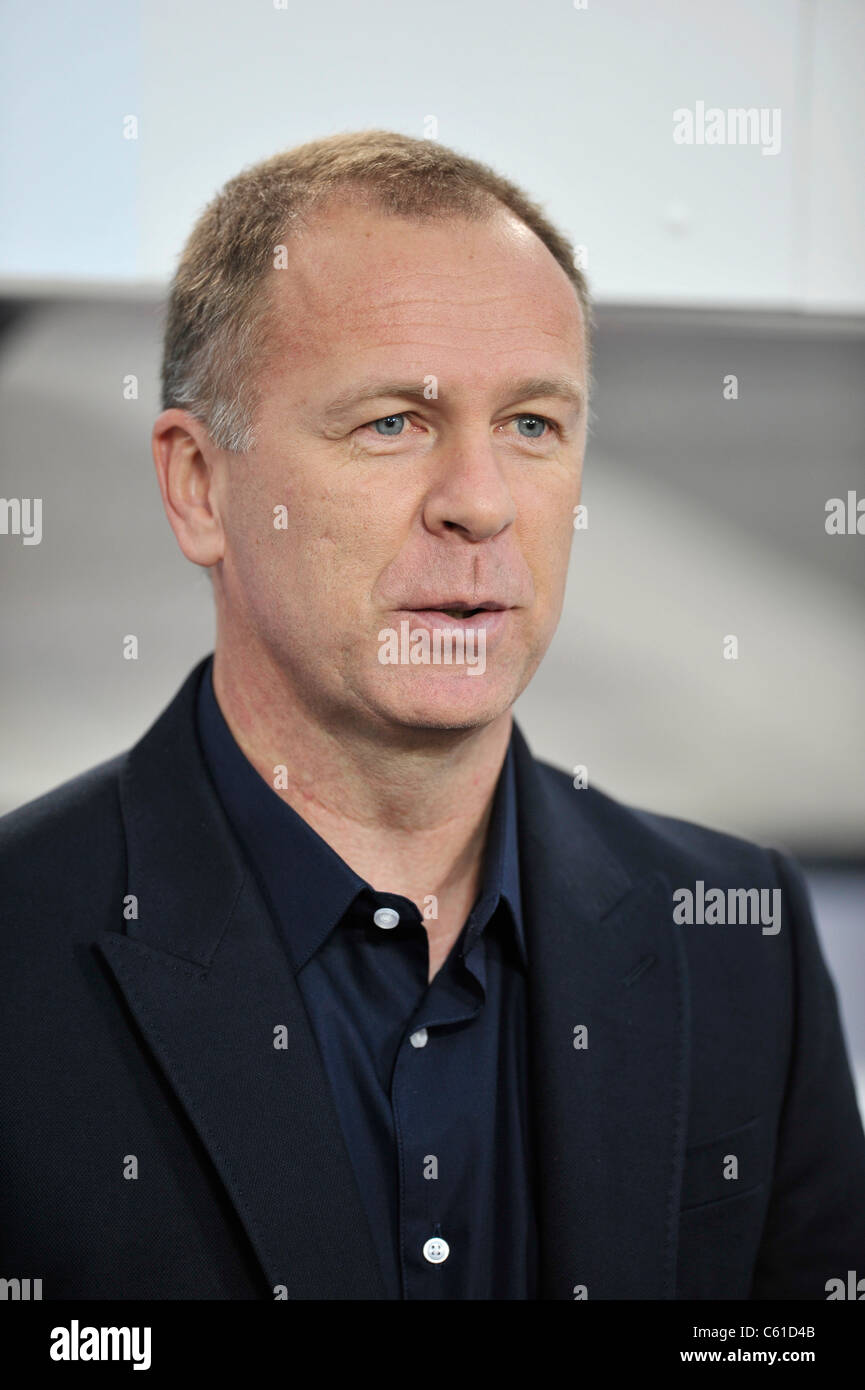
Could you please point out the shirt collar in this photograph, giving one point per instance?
(308, 886)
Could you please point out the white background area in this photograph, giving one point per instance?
(577, 105)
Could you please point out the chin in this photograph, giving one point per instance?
(464, 702)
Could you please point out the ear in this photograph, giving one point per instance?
(187, 466)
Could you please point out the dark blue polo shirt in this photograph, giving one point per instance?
(429, 1079)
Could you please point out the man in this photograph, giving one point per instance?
(328, 989)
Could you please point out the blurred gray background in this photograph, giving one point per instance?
(706, 516)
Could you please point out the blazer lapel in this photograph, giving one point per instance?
(209, 984)
(610, 1117)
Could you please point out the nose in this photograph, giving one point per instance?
(470, 495)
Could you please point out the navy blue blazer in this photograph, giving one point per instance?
(155, 1144)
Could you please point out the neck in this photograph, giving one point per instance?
(408, 812)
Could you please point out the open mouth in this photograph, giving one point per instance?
(489, 619)
(461, 611)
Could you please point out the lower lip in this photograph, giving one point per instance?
(490, 621)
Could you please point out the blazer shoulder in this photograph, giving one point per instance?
(75, 822)
(649, 840)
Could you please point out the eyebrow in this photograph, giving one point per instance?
(564, 387)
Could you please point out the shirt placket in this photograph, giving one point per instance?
(453, 999)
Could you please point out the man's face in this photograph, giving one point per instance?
(461, 495)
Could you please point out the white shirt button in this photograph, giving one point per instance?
(436, 1250)
(420, 1038)
(386, 917)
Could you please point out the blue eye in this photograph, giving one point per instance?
(388, 420)
(535, 420)
(391, 426)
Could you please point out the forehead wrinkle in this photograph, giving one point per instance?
(329, 279)
(321, 305)
(555, 315)
(320, 330)
(549, 322)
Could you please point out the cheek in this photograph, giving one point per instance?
(264, 551)
(275, 520)
(546, 532)
(310, 551)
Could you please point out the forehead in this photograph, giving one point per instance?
(360, 283)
